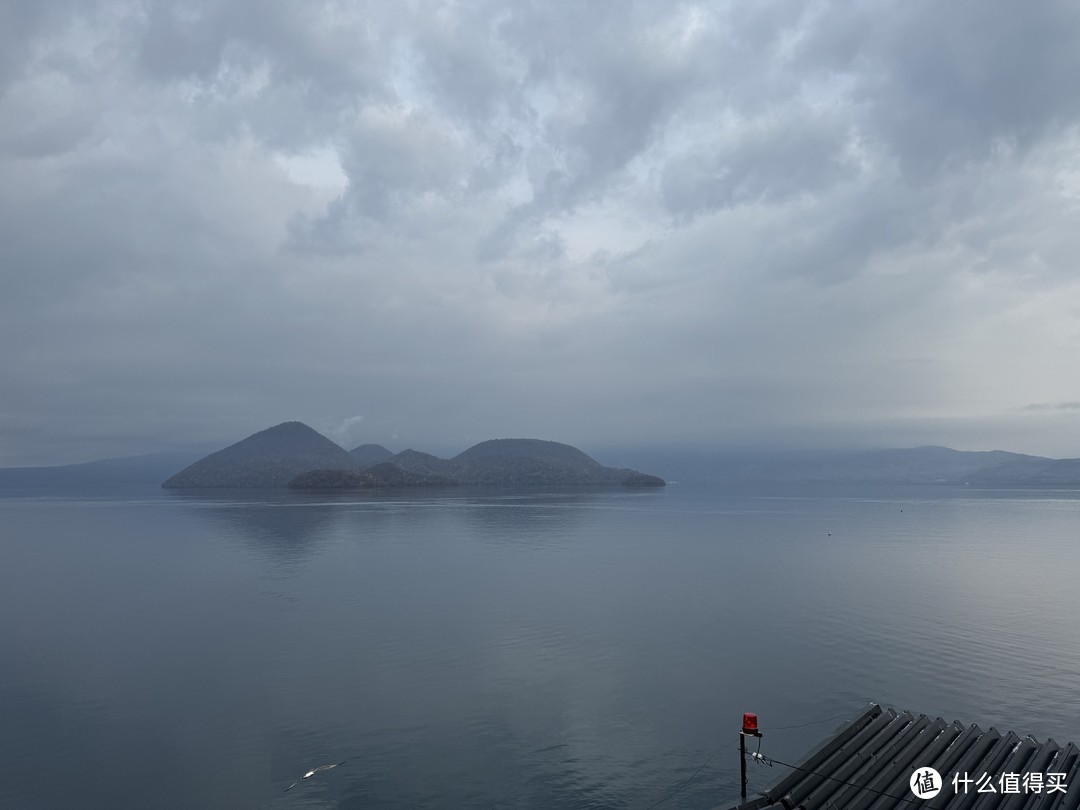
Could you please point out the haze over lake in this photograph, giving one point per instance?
(502, 648)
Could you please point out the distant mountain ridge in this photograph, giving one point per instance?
(502, 461)
(929, 464)
(144, 470)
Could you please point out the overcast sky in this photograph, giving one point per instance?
(606, 223)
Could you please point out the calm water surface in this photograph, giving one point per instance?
(505, 649)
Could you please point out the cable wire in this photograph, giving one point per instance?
(843, 716)
(771, 761)
(693, 776)
(678, 790)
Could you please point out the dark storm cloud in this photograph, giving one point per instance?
(597, 222)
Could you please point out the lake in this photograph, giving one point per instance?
(505, 649)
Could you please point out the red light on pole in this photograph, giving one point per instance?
(749, 724)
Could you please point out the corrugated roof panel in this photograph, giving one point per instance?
(1040, 763)
(1017, 763)
(1071, 769)
(872, 721)
(1063, 761)
(984, 741)
(828, 756)
(971, 739)
(849, 761)
(868, 777)
(986, 765)
(927, 747)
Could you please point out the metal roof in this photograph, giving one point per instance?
(869, 762)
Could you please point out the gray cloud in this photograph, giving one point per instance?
(1053, 406)
(766, 162)
(949, 84)
(600, 223)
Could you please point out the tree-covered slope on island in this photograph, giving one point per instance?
(388, 474)
(523, 462)
(376, 476)
(425, 464)
(532, 461)
(332, 479)
(269, 458)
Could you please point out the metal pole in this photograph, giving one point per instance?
(749, 729)
(742, 762)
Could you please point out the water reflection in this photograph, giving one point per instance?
(293, 524)
(287, 525)
(511, 516)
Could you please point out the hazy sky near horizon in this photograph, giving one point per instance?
(606, 223)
